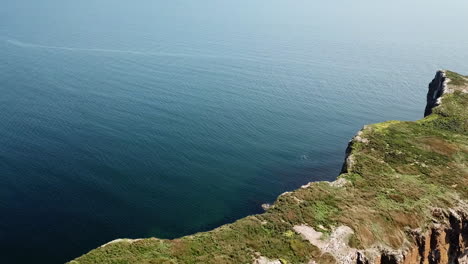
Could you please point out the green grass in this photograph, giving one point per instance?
(456, 79)
(403, 170)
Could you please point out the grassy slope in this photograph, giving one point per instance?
(398, 173)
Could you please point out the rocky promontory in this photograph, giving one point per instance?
(402, 197)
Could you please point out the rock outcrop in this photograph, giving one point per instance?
(436, 89)
(444, 242)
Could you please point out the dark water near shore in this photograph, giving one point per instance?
(164, 118)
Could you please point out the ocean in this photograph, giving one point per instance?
(128, 119)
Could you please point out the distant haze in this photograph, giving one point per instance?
(165, 118)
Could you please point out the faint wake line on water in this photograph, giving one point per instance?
(160, 54)
(21, 44)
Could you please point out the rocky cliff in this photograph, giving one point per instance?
(401, 198)
(436, 90)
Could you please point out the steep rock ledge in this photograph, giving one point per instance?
(400, 199)
(446, 241)
(436, 89)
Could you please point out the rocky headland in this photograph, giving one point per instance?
(402, 197)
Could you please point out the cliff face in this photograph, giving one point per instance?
(402, 198)
(446, 241)
(436, 89)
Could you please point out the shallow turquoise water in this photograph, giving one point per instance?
(149, 118)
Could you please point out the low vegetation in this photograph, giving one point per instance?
(399, 170)
(456, 79)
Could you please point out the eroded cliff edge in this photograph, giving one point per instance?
(402, 197)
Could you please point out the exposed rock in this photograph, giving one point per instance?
(266, 206)
(336, 244)
(446, 242)
(264, 260)
(437, 88)
(360, 138)
(341, 182)
(127, 240)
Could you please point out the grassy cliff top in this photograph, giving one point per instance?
(395, 174)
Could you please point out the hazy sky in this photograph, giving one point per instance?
(402, 15)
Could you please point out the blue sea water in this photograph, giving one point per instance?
(164, 118)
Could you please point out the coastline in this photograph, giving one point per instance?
(401, 198)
